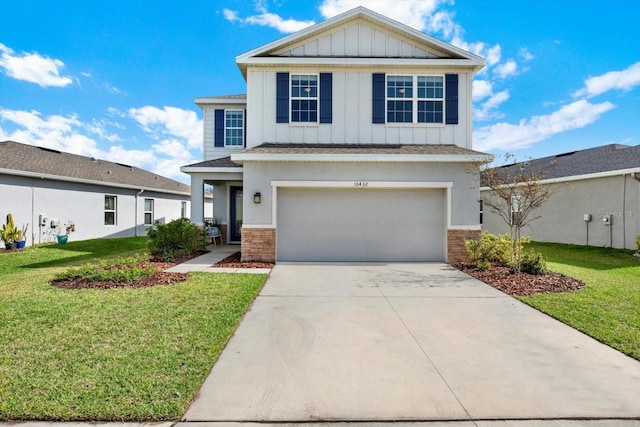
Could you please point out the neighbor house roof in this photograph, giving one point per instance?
(223, 162)
(607, 158)
(29, 160)
(359, 152)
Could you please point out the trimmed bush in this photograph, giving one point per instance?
(178, 237)
(533, 263)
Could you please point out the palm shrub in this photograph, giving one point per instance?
(175, 238)
(492, 248)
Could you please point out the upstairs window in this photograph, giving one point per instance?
(415, 99)
(233, 128)
(148, 211)
(110, 208)
(304, 98)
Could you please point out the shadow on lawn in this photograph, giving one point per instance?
(85, 250)
(590, 257)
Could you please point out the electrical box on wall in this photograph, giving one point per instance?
(587, 217)
(43, 220)
(606, 220)
(54, 223)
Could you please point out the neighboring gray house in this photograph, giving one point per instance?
(351, 144)
(597, 200)
(48, 189)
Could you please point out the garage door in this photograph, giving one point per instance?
(349, 225)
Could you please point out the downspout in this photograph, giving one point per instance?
(635, 176)
(135, 220)
(624, 210)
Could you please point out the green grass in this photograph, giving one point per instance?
(117, 354)
(608, 308)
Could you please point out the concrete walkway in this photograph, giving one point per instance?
(410, 342)
(216, 253)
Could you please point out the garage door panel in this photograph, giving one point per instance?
(360, 225)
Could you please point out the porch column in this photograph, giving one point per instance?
(197, 199)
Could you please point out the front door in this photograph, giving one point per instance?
(235, 222)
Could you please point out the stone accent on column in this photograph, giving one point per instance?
(259, 244)
(456, 251)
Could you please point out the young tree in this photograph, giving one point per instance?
(516, 194)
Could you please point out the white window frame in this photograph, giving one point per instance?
(241, 128)
(183, 209)
(300, 98)
(146, 212)
(414, 100)
(114, 211)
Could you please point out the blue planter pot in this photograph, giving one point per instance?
(63, 240)
(20, 244)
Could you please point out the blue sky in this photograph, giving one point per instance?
(116, 79)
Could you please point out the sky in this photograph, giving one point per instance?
(116, 79)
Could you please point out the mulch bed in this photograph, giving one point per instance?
(234, 261)
(523, 284)
(160, 278)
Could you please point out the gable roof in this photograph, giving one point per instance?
(29, 160)
(434, 51)
(574, 164)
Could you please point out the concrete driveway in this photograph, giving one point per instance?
(408, 342)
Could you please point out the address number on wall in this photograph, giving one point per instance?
(361, 184)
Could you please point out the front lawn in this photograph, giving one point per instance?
(608, 308)
(115, 354)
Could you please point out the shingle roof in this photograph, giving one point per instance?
(29, 159)
(224, 162)
(383, 149)
(606, 158)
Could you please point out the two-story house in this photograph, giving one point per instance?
(352, 143)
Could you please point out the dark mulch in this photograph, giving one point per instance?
(234, 261)
(160, 278)
(523, 284)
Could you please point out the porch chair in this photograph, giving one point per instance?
(213, 233)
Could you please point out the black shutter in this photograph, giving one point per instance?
(244, 128)
(282, 97)
(218, 135)
(326, 95)
(451, 101)
(378, 98)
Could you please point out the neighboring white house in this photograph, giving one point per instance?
(351, 144)
(49, 189)
(597, 199)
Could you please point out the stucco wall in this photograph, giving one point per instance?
(562, 218)
(83, 204)
(258, 177)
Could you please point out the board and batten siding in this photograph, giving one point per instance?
(352, 113)
(359, 39)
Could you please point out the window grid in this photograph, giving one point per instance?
(110, 210)
(234, 128)
(183, 209)
(427, 106)
(304, 98)
(148, 211)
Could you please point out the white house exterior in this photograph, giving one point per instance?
(47, 189)
(351, 144)
(597, 199)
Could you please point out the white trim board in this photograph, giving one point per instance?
(378, 158)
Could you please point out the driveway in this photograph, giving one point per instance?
(405, 342)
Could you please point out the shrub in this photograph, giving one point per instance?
(638, 243)
(178, 237)
(533, 263)
(118, 269)
(493, 248)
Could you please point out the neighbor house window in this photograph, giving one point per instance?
(415, 99)
(233, 128)
(148, 211)
(304, 98)
(481, 212)
(516, 209)
(183, 209)
(110, 208)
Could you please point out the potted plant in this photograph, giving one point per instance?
(21, 237)
(8, 233)
(69, 227)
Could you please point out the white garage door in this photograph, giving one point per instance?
(360, 225)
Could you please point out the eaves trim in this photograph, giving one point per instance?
(37, 175)
(381, 158)
(572, 178)
(204, 169)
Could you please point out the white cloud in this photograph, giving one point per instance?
(266, 19)
(481, 89)
(506, 69)
(506, 136)
(32, 68)
(487, 110)
(525, 54)
(169, 121)
(69, 134)
(624, 80)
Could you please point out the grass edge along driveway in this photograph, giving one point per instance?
(109, 355)
(608, 308)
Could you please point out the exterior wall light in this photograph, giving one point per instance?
(256, 198)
